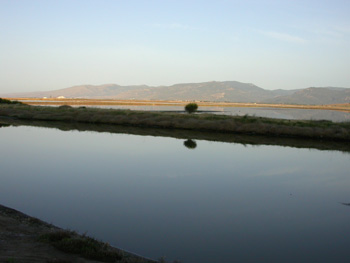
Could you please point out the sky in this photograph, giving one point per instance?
(286, 44)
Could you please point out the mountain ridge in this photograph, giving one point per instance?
(229, 91)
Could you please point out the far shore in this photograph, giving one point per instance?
(316, 130)
(111, 102)
(328, 145)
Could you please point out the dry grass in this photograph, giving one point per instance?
(203, 122)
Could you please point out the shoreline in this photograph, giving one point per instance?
(316, 130)
(22, 239)
(110, 102)
(325, 145)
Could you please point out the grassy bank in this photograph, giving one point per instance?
(325, 130)
(329, 145)
(28, 239)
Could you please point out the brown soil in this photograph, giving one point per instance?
(20, 243)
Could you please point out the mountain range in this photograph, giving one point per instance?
(228, 91)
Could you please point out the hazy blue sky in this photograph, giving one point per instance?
(46, 45)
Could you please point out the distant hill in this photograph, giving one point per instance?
(232, 91)
(316, 96)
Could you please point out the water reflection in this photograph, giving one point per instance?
(190, 144)
(228, 202)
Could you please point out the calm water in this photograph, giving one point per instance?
(219, 202)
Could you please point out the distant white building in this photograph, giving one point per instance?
(61, 97)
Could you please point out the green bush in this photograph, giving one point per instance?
(191, 107)
(5, 101)
(65, 107)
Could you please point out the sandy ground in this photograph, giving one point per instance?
(19, 241)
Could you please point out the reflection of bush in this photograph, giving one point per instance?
(190, 144)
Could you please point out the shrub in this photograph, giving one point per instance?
(65, 107)
(191, 107)
(5, 101)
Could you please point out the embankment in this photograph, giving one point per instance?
(319, 130)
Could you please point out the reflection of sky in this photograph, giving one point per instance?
(153, 196)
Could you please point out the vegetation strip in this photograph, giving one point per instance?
(345, 107)
(325, 130)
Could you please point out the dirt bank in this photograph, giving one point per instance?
(21, 241)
